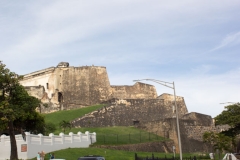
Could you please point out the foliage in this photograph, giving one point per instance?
(32, 122)
(49, 128)
(231, 117)
(218, 141)
(17, 108)
(64, 125)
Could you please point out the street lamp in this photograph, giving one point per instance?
(172, 87)
(235, 103)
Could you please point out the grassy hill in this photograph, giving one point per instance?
(68, 115)
(105, 135)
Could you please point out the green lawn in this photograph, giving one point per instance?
(74, 153)
(68, 115)
(120, 135)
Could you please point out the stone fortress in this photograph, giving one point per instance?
(65, 87)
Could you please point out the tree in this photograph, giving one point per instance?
(65, 124)
(218, 141)
(16, 106)
(33, 122)
(209, 137)
(49, 128)
(231, 117)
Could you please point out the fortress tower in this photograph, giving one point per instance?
(67, 87)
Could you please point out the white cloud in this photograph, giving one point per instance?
(134, 39)
(229, 40)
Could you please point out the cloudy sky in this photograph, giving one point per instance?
(196, 43)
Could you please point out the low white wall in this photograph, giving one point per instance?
(36, 143)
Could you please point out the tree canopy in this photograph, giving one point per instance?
(64, 125)
(231, 117)
(17, 108)
(218, 141)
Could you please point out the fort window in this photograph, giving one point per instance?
(135, 122)
(60, 97)
(47, 85)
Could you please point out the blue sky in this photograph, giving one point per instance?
(196, 44)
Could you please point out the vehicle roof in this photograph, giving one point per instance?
(92, 157)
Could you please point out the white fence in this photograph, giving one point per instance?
(36, 143)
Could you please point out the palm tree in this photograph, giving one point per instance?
(65, 124)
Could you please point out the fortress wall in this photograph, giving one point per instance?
(190, 130)
(199, 119)
(35, 91)
(85, 85)
(126, 113)
(169, 100)
(73, 87)
(168, 129)
(42, 78)
(137, 91)
(196, 132)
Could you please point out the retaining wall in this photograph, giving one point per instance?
(33, 144)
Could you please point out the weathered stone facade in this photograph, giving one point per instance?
(126, 112)
(156, 116)
(191, 131)
(66, 87)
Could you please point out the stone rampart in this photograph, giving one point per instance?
(85, 85)
(69, 87)
(127, 112)
(191, 131)
(36, 91)
(137, 91)
(196, 132)
(199, 119)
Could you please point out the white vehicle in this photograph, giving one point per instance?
(91, 157)
(231, 156)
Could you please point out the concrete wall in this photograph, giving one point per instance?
(36, 143)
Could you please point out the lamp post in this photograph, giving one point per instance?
(166, 84)
(235, 103)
